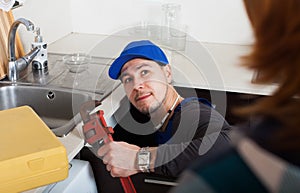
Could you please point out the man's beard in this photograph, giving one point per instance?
(153, 107)
(156, 104)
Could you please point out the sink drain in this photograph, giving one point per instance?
(51, 95)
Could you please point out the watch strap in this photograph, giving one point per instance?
(143, 159)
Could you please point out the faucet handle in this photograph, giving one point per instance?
(24, 61)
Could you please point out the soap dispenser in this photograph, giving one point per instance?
(41, 59)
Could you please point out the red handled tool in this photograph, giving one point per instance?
(97, 133)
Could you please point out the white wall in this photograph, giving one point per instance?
(52, 16)
(207, 20)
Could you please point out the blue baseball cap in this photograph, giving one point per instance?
(137, 49)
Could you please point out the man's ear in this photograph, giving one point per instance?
(168, 73)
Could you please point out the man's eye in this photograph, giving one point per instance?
(127, 80)
(144, 72)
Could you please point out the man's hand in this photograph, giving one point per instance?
(120, 158)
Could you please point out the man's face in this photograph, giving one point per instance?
(145, 84)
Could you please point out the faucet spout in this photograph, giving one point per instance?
(16, 65)
(12, 36)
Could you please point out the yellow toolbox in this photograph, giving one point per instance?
(30, 154)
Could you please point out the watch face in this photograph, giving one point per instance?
(144, 158)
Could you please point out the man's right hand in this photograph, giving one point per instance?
(120, 158)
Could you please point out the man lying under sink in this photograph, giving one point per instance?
(161, 133)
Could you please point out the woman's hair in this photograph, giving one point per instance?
(276, 58)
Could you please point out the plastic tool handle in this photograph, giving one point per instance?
(127, 185)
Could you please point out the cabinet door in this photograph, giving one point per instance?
(224, 102)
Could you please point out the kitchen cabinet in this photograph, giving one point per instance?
(232, 100)
(235, 89)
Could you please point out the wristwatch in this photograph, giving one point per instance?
(143, 159)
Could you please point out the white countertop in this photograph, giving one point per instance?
(202, 65)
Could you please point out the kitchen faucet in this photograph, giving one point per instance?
(17, 65)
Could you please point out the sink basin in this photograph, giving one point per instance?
(58, 108)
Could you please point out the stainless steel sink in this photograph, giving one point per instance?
(58, 108)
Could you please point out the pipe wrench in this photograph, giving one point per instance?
(97, 133)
